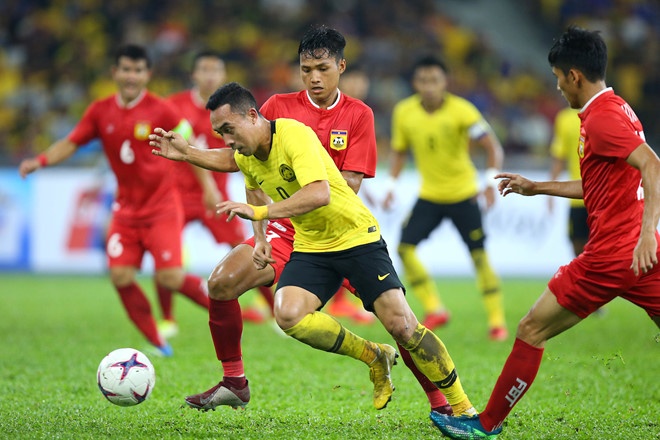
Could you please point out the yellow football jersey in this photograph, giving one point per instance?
(440, 144)
(296, 159)
(564, 144)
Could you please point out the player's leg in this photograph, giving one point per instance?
(296, 313)
(426, 349)
(124, 253)
(423, 219)
(466, 217)
(233, 276)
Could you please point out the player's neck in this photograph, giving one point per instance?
(326, 104)
(263, 150)
(589, 90)
(432, 105)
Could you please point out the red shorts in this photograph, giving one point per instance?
(126, 244)
(231, 232)
(281, 241)
(584, 285)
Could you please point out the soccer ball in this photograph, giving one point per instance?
(126, 377)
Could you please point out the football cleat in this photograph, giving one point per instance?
(463, 427)
(164, 350)
(498, 334)
(446, 409)
(436, 319)
(379, 374)
(220, 395)
(167, 329)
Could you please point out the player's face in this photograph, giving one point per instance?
(209, 74)
(239, 131)
(567, 86)
(321, 77)
(430, 82)
(131, 77)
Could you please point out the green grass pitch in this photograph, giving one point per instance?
(598, 380)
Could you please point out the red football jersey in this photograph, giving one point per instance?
(613, 194)
(191, 107)
(145, 188)
(346, 129)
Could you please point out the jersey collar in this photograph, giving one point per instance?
(593, 98)
(334, 104)
(131, 104)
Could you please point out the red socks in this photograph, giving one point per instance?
(435, 396)
(517, 376)
(195, 288)
(226, 324)
(139, 311)
(165, 301)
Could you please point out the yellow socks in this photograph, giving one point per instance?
(422, 284)
(432, 358)
(325, 333)
(489, 285)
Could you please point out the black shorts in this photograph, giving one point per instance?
(426, 216)
(577, 223)
(368, 267)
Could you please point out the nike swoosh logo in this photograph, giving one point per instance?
(261, 182)
(382, 277)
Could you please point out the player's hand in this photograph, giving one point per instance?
(233, 209)
(211, 197)
(515, 183)
(28, 166)
(262, 254)
(644, 255)
(168, 144)
(388, 201)
(489, 196)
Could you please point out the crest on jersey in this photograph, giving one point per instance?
(581, 147)
(338, 139)
(142, 130)
(287, 173)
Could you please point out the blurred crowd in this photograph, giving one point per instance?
(55, 57)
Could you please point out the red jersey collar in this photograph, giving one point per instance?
(330, 107)
(131, 104)
(593, 98)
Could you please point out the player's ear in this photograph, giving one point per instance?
(342, 65)
(253, 114)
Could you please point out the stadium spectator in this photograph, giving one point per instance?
(621, 189)
(147, 212)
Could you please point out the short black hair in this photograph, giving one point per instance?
(430, 61)
(580, 49)
(239, 98)
(208, 53)
(134, 52)
(320, 41)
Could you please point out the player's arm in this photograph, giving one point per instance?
(397, 162)
(354, 179)
(483, 137)
(262, 253)
(646, 161)
(515, 183)
(173, 146)
(308, 198)
(56, 153)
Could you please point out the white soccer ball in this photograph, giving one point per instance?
(126, 377)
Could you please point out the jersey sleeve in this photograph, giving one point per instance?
(362, 155)
(612, 134)
(86, 129)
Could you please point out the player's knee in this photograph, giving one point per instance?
(223, 286)
(530, 332)
(121, 278)
(170, 278)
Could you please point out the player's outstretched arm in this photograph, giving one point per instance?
(646, 161)
(56, 153)
(173, 146)
(515, 183)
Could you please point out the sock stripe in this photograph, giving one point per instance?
(447, 381)
(338, 341)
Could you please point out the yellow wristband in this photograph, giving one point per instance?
(260, 212)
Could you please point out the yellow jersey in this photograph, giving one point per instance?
(296, 159)
(564, 144)
(440, 144)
